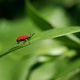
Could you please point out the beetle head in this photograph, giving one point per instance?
(31, 34)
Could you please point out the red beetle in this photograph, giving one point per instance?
(24, 38)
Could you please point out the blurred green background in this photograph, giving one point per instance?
(47, 59)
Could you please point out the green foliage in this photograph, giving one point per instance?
(54, 51)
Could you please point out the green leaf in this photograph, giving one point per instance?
(58, 32)
(35, 16)
(22, 69)
(44, 24)
(68, 70)
(44, 72)
(49, 34)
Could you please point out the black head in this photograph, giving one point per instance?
(30, 36)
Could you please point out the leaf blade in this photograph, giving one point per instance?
(57, 32)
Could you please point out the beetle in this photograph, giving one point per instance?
(24, 38)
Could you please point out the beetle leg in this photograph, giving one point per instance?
(29, 41)
(24, 41)
(18, 42)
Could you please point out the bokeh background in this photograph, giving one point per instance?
(47, 59)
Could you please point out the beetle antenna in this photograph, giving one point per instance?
(31, 34)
